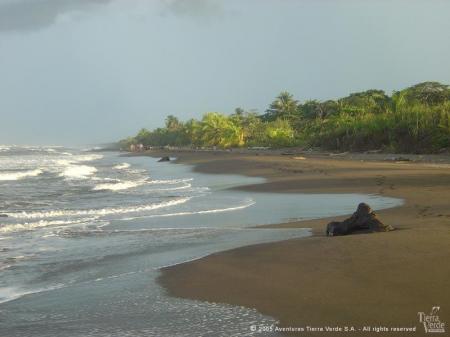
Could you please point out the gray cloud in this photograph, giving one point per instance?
(132, 62)
(29, 15)
(193, 8)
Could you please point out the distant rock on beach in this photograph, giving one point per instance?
(363, 219)
(166, 158)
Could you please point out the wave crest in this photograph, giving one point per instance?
(208, 211)
(78, 171)
(97, 212)
(169, 182)
(247, 204)
(87, 157)
(122, 166)
(118, 186)
(19, 175)
(28, 226)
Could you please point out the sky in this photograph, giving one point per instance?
(76, 72)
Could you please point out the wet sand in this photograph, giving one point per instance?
(379, 279)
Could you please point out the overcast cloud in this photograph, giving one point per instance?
(30, 15)
(26, 15)
(87, 71)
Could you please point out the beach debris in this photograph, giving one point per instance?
(165, 158)
(401, 159)
(3, 215)
(374, 151)
(398, 159)
(258, 148)
(363, 219)
(338, 154)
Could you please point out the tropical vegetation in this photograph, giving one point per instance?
(415, 119)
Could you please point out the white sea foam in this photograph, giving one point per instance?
(105, 179)
(48, 235)
(8, 176)
(97, 212)
(12, 293)
(184, 187)
(122, 166)
(124, 185)
(74, 159)
(208, 211)
(71, 169)
(170, 182)
(119, 186)
(63, 162)
(87, 157)
(28, 226)
(78, 171)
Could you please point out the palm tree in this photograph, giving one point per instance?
(192, 129)
(219, 130)
(284, 107)
(173, 123)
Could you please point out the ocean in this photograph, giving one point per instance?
(83, 236)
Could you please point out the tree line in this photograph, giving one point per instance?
(415, 119)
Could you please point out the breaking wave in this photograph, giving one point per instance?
(118, 186)
(87, 157)
(209, 211)
(169, 182)
(19, 175)
(71, 169)
(12, 293)
(28, 226)
(78, 171)
(97, 212)
(125, 185)
(122, 166)
(184, 187)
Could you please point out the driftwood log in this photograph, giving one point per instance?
(363, 219)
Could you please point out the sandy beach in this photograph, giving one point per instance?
(375, 280)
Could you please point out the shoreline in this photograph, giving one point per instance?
(367, 279)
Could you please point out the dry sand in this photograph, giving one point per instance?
(379, 279)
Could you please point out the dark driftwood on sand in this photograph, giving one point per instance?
(363, 219)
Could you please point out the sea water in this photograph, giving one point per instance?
(87, 232)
